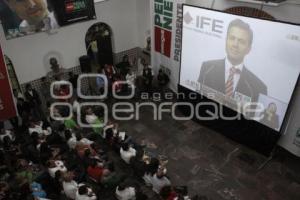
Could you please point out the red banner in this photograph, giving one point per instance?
(7, 105)
(163, 41)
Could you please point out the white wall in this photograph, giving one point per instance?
(27, 52)
(284, 12)
(143, 21)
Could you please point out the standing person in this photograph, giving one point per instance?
(147, 77)
(163, 80)
(45, 89)
(34, 101)
(73, 80)
(57, 71)
(124, 66)
(100, 83)
(93, 45)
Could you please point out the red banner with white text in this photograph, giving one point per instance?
(7, 105)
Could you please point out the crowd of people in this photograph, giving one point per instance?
(45, 158)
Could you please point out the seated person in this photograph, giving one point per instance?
(83, 140)
(168, 193)
(124, 66)
(24, 171)
(38, 127)
(71, 124)
(110, 130)
(159, 180)
(162, 79)
(109, 71)
(127, 152)
(93, 120)
(117, 85)
(95, 170)
(130, 79)
(7, 133)
(69, 185)
(110, 177)
(71, 139)
(151, 167)
(124, 192)
(54, 166)
(85, 193)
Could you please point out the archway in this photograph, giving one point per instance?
(98, 40)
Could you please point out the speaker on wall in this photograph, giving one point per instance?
(85, 64)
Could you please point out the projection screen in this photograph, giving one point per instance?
(241, 62)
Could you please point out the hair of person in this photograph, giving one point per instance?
(57, 175)
(165, 192)
(44, 147)
(111, 167)
(125, 146)
(78, 136)
(6, 141)
(68, 134)
(93, 163)
(28, 86)
(82, 190)
(87, 152)
(121, 186)
(35, 137)
(242, 25)
(61, 127)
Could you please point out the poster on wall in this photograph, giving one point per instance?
(166, 36)
(26, 17)
(20, 18)
(7, 105)
(71, 11)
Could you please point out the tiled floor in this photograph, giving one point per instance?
(214, 166)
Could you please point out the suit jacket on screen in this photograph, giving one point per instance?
(212, 74)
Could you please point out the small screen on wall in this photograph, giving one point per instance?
(24, 17)
(70, 11)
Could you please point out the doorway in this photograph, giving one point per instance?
(98, 42)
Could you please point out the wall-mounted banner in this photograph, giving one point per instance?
(166, 36)
(7, 105)
(26, 17)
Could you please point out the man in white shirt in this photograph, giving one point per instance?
(69, 185)
(125, 193)
(85, 193)
(90, 116)
(54, 166)
(159, 181)
(127, 152)
(38, 127)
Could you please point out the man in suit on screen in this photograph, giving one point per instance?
(229, 76)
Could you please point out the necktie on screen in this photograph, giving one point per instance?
(230, 83)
